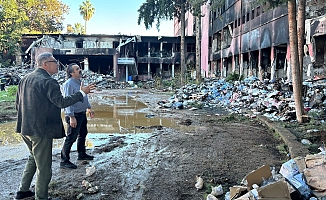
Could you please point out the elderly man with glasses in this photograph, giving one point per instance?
(39, 102)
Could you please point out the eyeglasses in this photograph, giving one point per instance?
(54, 61)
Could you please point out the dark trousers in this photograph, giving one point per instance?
(2, 87)
(39, 162)
(79, 132)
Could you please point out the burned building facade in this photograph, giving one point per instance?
(123, 57)
(252, 39)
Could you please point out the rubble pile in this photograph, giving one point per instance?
(15, 73)
(271, 99)
(102, 81)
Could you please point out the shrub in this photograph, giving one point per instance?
(12, 90)
(234, 77)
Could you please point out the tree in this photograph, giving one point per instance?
(45, 16)
(295, 65)
(156, 10)
(12, 19)
(195, 7)
(87, 11)
(78, 29)
(296, 36)
(27, 16)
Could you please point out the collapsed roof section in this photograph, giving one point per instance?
(121, 56)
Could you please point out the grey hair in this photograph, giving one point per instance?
(43, 57)
(70, 70)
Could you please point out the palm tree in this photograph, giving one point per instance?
(87, 11)
(78, 29)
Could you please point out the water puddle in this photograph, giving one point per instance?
(113, 115)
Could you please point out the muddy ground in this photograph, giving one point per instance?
(162, 165)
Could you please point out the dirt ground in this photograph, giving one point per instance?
(163, 165)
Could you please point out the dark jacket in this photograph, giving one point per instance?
(39, 102)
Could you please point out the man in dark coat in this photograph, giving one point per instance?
(39, 102)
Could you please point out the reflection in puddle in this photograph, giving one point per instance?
(113, 115)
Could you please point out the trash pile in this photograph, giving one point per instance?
(274, 100)
(13, 75)
(299, 178)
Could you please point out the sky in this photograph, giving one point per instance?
(113, 17)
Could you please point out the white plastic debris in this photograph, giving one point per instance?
(217, 191)
(200, 183)
(211, 197)
(90, 170)
(306, 142)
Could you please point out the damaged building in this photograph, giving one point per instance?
(240, 37)
(123, 57)
(252, 39)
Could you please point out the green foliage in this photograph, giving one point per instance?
(157, 10)
(196, 104)
(78, 29)
(4, 96)
(27, 16)
(87, 11)
(282, 148)
(234, 77)
(12, 90)
(12, 19)
(44, 16)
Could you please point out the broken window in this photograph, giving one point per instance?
(191, 47)
(79, 44)
(216, 46)
(177, 47)
(227, 37)
(258, 11)
(155, 49)
(210, 42)
(167, 50)
(142, 50)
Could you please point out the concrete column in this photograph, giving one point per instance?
(149, 64)
(241, 64)
(260, 70)
(161, 54)
(86, 67)
(127, 73)
(115, 65)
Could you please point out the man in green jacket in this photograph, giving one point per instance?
(39, 102)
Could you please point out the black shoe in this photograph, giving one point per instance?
(84, 156)
(68, 165)
(28, 195)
